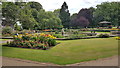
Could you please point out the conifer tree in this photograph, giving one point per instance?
(65, 15)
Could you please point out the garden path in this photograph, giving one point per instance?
(110, 61)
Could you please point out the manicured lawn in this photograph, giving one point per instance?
(68, 52)
(3, 39)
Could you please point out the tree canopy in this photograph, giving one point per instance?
(31, 15)
(107, 11)
(65, 15)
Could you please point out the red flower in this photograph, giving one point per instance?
(45, 45)
(46, 35)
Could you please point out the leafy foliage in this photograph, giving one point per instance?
(7, 30)
(31, 15)
(82, 19)
(65, 15)
(107, 11)
(103, 36)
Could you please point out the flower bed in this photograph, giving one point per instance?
(118, 38)
(34, 41)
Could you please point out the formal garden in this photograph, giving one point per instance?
(56, 37)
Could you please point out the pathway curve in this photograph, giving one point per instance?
(111, 61)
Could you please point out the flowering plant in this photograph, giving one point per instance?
(118, 38)
(38, 41)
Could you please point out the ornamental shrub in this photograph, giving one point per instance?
(7, 31)
(103, 36)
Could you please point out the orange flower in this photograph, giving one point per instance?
(26, 33)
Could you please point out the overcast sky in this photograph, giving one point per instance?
(74, 6)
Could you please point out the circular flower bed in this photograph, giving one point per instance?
(34, 41)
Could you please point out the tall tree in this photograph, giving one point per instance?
(57, 12)
(92, 22)
(82, 19)
(48, 20)
(18, 11)
(9, 13)
(65, 15)
(26, 18)
(35, 5)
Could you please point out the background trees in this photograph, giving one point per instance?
(31, 15)
(107, 11)
(9, 13)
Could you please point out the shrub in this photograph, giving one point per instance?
(103, 36)
(91, 34)
(51, 42)
(58, 35)
(75, 32)
(56, 32)
(7, 30)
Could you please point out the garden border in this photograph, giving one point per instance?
(65, 38)
(81, 38)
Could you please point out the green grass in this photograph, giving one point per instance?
(68, 52)
(3, 39)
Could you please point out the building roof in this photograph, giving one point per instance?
(104, 22)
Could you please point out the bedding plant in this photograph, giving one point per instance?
(34, 41)
(118, 37)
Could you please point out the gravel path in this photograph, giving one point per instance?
(111, 61)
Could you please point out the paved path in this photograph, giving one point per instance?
(19, 62)
(111, 61)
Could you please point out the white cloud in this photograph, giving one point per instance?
(73, 5)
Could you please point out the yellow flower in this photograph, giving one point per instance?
(118, 38)
(19, 37)
(42, 34)
(15, 36)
